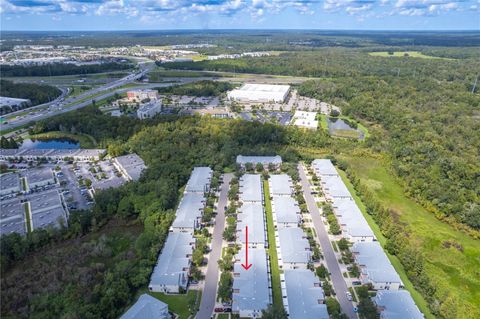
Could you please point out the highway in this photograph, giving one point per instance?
(209, 293)
(332, 264)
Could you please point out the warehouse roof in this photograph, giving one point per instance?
(304, 295)
(305, 119)
(250, 287)
(10, 181)
(147, 307)
(39, 175)
(350, 216)
(260, 92)
(264, 160)
(334, 186)
(189, 210)
(374, 263)
(172, 262)
(199, 180)
(286, 210)
(251, 215)
(294, 247)
(47, 209)
(251, 188)
(397, 305)
(324, 167)
(281, 185)
(132, 164)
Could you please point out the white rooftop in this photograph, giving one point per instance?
(281, 185)
(397, 305)
(260, 92)
(189, 210)
(294, 246)
(350, 217)
(286, 210)
(147, 307)
(324, 167)
(334, 186)
(305, 119)
(132, 164)
(199, 180)
(251, 215)
(250, 188)
(264, 160)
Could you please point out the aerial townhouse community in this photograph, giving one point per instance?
(376, 270)
(171, 272)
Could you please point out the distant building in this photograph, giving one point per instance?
(266, 161)
(396, 305)
(147, 307)
(131, 166)
(259, 93)
(219, 113)
(10, 104)
(305, 119)
(9, 184)
(149, 109)
(52, 154)
(141, 95)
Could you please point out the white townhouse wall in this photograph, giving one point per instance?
(260, 93)
(250, 188)
(266, 161)
(252, 215)
(396, 305)
(170, 274)
(286, 212)
(199, 181)
(293, 248)
(354, 226)
(303, 295)
(375, 267)
(280, 185)
(189, 213)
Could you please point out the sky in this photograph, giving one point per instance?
(66, 15)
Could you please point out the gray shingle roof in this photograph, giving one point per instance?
(324, 167)
(397, 305)
(12, 218)
(286, 210)
(147, 307)
(281, 185)
(251, 215)
(334, 186)
(251, 188)
(374, 263)
(189, 210)
(199, 181)
(294, 248)
(132, 164)
(351, 218)
(303, 295)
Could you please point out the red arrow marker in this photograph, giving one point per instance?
(246, 266)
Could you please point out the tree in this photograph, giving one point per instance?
(333, 307)
(259, 167)
(274, 312)
(197, 257)
(322, 272)
(343, 244)
(367, 309)
(327, 288)
(334, 113)
(225, 286)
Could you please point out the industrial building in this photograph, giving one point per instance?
(251, 288)
(47, 209)
(251, 215)
(189, 213)
(259, 93)
(12, 215)
(52, 154)
(303, 295)
(10, 104)
(170, 274)
(9, 184)
(147, 307)
(199, 181)
(286, 212)
(39, 177)
(131, 166)
(280, 185)
(266, 161)
(354, 226)
(293, 248)
(149, 110)
(250, 188)
(305, 119)
(396, 305)
(375, 267)
(141, 95)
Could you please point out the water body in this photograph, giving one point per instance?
(335, 124)
(55, 143)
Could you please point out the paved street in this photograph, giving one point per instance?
(332, 264)
(210, 288)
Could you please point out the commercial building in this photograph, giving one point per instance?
(293, 248)
(266, 161)
(199, 181)
(250, 189)
(38, 177)
(149, 110)
(375, 268)
(302, 294)
(170, 274)
(189, 213)
(251, 288)
(47, 210)
(280, 185)
(259, 93)
(396, 305)
(251, 215)
(52, 154)
(286, 211)
(354, 226)
(141, 95)
(9, 184)
(147, 307)
(305, 119)
(131, 166)
(12, 215)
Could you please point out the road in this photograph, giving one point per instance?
(209, 293)
(332, 264)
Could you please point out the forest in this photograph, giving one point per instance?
(36, 93)
(57, 69)
(200, 88)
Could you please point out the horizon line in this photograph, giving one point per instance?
(250, 29)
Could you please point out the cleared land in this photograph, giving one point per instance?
(455, 272)
(401, 54)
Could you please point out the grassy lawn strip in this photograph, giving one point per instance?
(27, 217)
(180, 304)
(85, 140)
(411, 54)
(272, 250)
(421, 303)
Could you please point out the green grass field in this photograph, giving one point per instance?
(411, 54)
(456, 274)
(180, 304)
(272, 250)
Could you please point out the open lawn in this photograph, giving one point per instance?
(411, 54)
(181, 304)
(455, 272)
(272, 250)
